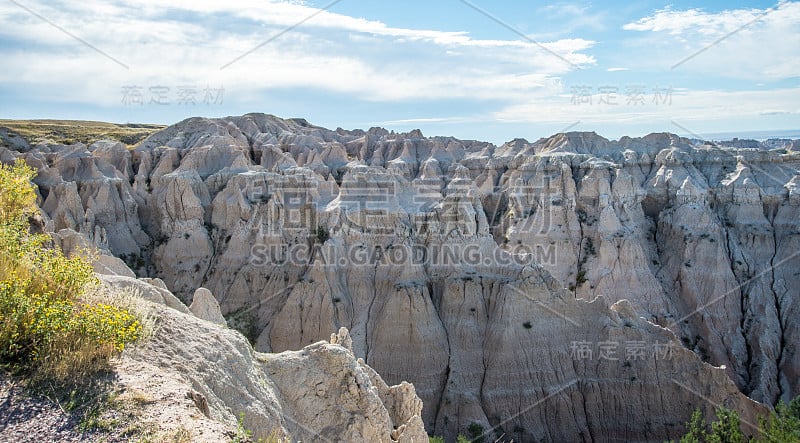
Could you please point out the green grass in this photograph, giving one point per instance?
(94, 417)
(244, 435)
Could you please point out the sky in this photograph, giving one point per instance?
(472, 69)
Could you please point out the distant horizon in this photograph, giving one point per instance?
(792, 134)
(473, 69)
(758, 135)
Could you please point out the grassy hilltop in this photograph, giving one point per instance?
(74, 131)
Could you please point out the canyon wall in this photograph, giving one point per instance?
(570, 289)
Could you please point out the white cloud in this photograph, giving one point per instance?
(695, 20)
(752, 44)
(186, 42)
(562, 19)
(706, 105)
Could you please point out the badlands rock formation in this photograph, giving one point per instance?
(570, 289)
(319, 393)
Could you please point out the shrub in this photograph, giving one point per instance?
(793, 409)
(47, 328)
(590, 250)
(244, 435)
(475, 431)
(695, 428)
(322, 235)
(581, 278)
(18, 198)
(726, 429)
(781, 426)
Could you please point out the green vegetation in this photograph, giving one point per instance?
(322, 235)
(475, 431)
(74, 131)
(244, 435)
(460, 439)
(726, 428)
(134, 261)
(48, 327)
(781, 426)
(245, 321)
(581, 277)
(590, 250)
(94, 417)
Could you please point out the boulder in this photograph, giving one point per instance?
(205, 306)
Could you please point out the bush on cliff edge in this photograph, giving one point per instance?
(48, 329)
(781, 426)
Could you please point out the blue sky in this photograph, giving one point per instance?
(471, 69)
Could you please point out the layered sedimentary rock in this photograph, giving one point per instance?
(497, 279)
(321, 391)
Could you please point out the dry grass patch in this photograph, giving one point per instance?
(73, 131)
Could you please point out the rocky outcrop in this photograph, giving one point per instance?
(482, 274)
(319, 392)
(205, 306)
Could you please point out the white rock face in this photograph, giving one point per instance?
(473, 271)
(205, 306)
(142, 289)
(319, 391)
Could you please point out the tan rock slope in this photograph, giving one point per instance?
(571, 289)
